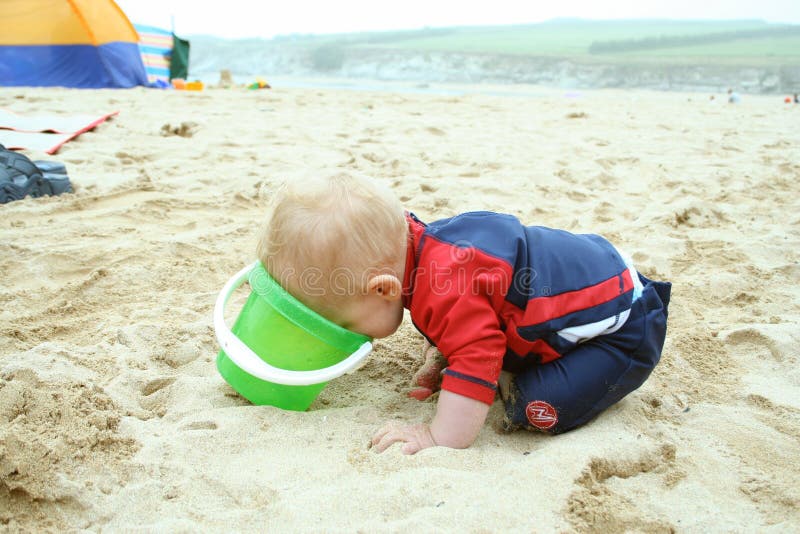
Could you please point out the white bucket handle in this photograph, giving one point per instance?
(248, 361)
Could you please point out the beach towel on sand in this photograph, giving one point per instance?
(46, 133)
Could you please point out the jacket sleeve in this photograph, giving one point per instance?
(455, 307)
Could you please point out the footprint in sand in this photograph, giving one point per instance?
(752, 342)
(427, 188)
(126, 158)
(184, 353)
(156, 385)
(152, 400)
(595, 504)
(565, 175)
(605, 178)
(577, 196)
(200, 425)
(781, 143)
(603, 212)
(372, 157)
(184, 129)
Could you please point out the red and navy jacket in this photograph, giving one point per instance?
(491, 293)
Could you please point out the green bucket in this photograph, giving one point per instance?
(279, 352)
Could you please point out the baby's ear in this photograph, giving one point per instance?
(387, 286)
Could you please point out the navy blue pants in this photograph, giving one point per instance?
(563, 394)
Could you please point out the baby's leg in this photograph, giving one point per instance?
(568, 392)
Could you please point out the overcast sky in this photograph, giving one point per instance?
(257, 18)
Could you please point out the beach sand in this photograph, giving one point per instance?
(113, 416)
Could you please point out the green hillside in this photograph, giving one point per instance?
(617, 40)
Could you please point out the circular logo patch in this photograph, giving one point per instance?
(541, 414)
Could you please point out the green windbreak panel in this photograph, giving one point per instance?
(179, 65)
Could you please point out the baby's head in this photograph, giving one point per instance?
(338, 245)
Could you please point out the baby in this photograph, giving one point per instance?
(566, 317)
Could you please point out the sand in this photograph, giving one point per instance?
(112, 414)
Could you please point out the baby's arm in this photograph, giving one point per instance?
(428, 378)
(457, 422)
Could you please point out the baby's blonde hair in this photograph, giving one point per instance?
(331, 231)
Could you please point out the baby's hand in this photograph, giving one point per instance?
(414, 437)
(429, 376)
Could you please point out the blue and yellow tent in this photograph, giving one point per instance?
(68, 43)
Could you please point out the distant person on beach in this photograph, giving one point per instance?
(733, 97)
(796, 101)
(566, 317)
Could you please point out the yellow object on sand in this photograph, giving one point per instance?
(180, 83)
